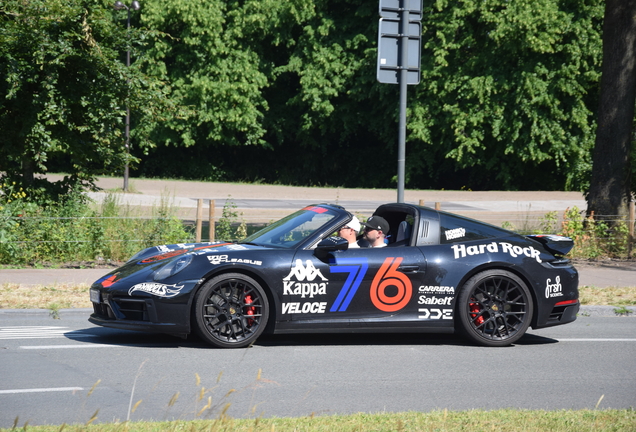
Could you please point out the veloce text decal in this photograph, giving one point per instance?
(387, 276)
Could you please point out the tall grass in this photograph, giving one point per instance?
(74, 231)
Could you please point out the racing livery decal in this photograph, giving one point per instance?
(461, 250)
(553, 289)
(157, 289)
(294, 283)
(224, 259)
(435, 313)
(389, 276)
(305, 308)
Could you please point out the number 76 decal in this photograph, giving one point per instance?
(387, 276)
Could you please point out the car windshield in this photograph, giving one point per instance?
(293, 229)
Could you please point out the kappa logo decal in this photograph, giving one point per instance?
(307, 272)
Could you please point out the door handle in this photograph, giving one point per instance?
(408, 268)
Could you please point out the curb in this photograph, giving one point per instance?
(585, 311)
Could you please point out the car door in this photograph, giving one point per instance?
(357, 287)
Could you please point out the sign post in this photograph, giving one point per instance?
(399, 54)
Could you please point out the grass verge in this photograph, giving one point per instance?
(448, 421)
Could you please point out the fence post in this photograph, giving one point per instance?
(199, 220)
(211, 218)
(632, 221)
(438, 206)
(421, 203)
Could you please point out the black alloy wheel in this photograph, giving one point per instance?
(231, 311)
(495, 308)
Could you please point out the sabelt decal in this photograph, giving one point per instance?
(304, 308)
(553, 289)
(435, 314)
(461, 250)
(435, 301)
(224, 259)
(157, 289)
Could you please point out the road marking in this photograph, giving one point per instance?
(598, 340)
(40, 332)
(34, 347)
(41, 390)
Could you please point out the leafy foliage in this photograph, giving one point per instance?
(65, 89)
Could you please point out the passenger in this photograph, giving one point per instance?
(350, 232)
(375, 230)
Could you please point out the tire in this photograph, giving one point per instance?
(231, 311)
(494, 308)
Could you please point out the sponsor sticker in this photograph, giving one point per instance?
(553, 289)
(224, 259)
(455, 233)
(461, 250)
(435, 301)
(304, 308)
(157, 289)
(435, 314)
(434, 289)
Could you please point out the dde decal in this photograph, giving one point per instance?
(157, 289)
(435, 314)
(461, 250)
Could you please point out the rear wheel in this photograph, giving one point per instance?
(231, 311)
(494, 308)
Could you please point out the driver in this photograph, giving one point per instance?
(350, 232)
(375, 231)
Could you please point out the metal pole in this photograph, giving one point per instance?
(127, 145)
(404, 37)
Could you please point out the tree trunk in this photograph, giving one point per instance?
(610, 187)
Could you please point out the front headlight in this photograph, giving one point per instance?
(173, 267)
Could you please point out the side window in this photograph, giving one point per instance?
(455, 230)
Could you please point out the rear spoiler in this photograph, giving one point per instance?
(554, 243)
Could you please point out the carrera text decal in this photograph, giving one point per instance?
(461, 250)
(157, 289)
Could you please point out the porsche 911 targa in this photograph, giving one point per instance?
(439, 272)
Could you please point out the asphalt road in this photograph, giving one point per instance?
(66, 370)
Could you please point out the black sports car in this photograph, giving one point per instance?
(440, 273)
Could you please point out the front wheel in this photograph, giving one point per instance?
(231, 311)
(494, 308)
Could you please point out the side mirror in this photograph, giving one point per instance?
(330, 244)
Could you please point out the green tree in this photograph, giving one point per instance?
(507, 98)
(64, 89)
(611, 189)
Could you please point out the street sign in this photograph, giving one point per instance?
(389, 59)
(391, 9)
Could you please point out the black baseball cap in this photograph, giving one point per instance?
(377, 223)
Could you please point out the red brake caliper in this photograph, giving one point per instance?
(249, 310)
(475, 308)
